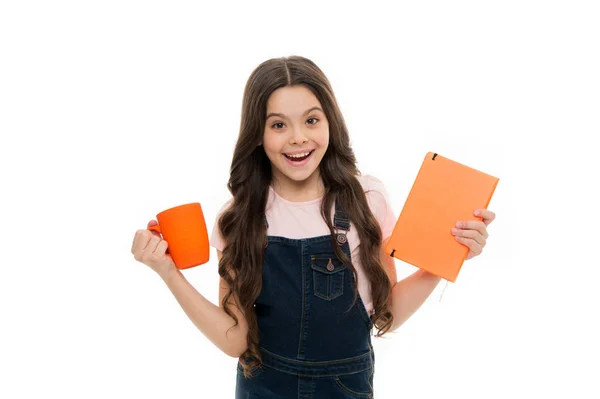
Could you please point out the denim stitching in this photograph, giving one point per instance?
(338, 274)
(350, 391)
(311, 363)
(304, 315)
(301, 374)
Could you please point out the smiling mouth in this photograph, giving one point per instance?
(299, 157)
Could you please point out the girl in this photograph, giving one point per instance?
(303, 278)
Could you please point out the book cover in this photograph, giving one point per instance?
(443, 193)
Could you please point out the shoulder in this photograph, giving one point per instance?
(373, 186)
(225, 206)
(379, 202)
(216, 239)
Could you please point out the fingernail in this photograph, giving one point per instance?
(477, 213)
(458, 224)
(454, 230)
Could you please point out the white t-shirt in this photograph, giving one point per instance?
(303, 220)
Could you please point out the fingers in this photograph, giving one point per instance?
(474, 225)
(472, 234)
(487, 215)
(474, 247)
(153, 244)
(140, 240)
(146, 245)
(161, 248)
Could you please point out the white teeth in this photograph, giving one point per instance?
(298, 155)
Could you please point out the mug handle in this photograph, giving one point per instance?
(157, 229)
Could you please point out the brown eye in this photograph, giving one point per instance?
(313, 119)
(277, 125)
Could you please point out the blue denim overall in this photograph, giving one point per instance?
(311, 346)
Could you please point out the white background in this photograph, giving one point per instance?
(113, 111)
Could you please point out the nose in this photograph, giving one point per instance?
(298, 136)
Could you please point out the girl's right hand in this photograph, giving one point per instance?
(149, 248)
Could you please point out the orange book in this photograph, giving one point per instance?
(443, 193)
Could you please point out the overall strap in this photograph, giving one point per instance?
(341, 221)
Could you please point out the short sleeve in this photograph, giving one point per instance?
(216, 239)
(379, 201)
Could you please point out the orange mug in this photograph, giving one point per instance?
(184, 229)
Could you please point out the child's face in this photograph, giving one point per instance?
(297, 129)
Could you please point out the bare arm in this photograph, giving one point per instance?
(409, 293)
(209, 318)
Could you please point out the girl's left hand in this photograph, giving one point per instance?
(473, 233)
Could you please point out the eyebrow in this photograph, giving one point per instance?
(306, 112)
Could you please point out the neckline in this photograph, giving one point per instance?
(293, 203)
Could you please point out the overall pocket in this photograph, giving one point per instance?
(328, 276)
(359, 385)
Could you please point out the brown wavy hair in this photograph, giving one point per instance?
(250, 177)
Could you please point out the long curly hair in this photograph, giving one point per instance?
(250, 177)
